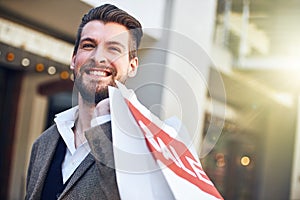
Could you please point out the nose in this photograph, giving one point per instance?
(99, 55)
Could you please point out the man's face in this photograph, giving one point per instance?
(102, 58)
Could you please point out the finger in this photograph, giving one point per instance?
(102, 108)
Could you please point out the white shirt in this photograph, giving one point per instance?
(65, 122)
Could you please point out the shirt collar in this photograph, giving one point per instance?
(65, 122)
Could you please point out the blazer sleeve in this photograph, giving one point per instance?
(30, 179)
(100, 142)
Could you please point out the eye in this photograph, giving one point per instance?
(115, 49)
(87, 46)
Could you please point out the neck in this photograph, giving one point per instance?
(83, 123)
(85, 114)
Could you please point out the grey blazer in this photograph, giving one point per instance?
(95, 177)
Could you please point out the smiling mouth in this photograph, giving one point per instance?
(98, 72)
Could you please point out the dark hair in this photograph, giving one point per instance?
(110, 13)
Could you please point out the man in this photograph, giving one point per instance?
(73, 159)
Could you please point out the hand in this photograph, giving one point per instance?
(102, 108)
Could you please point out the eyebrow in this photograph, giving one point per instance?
(88, 39)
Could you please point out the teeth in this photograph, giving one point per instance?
(98, 73)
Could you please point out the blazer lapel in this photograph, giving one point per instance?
(46, 151)
(79, 172)
(99, 139)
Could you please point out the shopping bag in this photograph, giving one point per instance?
(151, 160)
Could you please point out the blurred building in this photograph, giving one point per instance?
(227, 68)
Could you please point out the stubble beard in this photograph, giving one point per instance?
(92, 92)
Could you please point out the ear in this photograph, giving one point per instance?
(72, 66)
(134, 63)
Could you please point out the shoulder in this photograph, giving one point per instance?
(48, 135)
(45, 143)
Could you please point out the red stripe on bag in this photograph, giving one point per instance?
(173, 153)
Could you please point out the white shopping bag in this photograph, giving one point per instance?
(151, 160)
